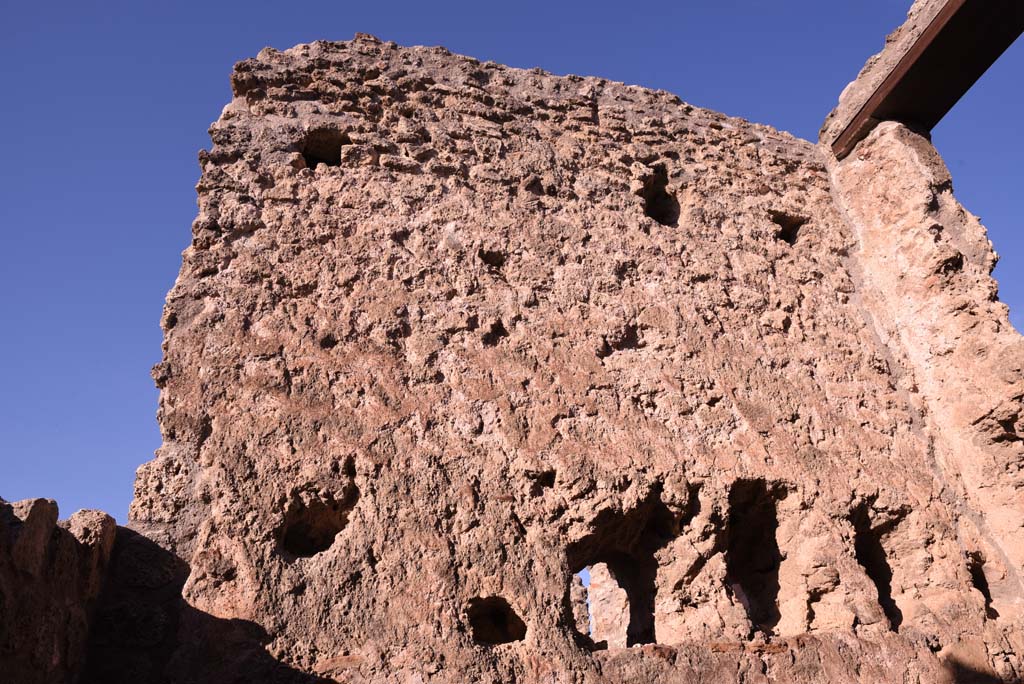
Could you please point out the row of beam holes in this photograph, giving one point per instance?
(323, 146)
(625, 545)
(752, 558)
(663, 207)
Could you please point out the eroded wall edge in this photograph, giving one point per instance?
(925, 264)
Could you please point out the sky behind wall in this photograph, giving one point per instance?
(106, 104)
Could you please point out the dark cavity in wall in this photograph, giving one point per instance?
(964, 673)
(627, 337)
(312, 520)
(494, 334)
(494, 259)
(659, 204)
(323, 146)
(752, 558)
(789, 225)
(540, 481)
(492, 621)
(626, 542)
(872, 556)
(976, 566)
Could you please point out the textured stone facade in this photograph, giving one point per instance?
(924, 274)
(449, 333)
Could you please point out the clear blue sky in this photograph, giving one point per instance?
(106, 104)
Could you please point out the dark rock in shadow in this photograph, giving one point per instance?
(145, 632)
(51, 573)
(962, 673)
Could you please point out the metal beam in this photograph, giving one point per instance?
(958, 46)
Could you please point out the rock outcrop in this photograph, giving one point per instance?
(50, 577)
(449, 333)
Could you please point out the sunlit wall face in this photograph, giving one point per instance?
(97, 193)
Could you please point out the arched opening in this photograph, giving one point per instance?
(618, 562)
(752, 558)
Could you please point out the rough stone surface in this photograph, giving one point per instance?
(450, 332)
(50, 576)
(609, 604)
(925, 267)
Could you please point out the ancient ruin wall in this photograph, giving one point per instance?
(450, 332)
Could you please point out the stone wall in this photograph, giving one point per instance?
(924, 265)
(449, 333)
